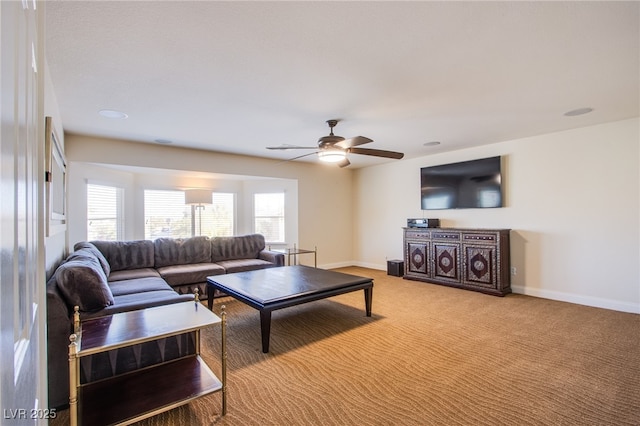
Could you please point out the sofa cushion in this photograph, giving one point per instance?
(83, 283)
(85, 245)
(241, 265)
(182, 251)
(127, 254)
(238, 247)
(130, 274)
(139, 285)
(189, 274)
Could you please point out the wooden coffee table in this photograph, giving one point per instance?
(275, 288)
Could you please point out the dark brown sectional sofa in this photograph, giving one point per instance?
(107, 277)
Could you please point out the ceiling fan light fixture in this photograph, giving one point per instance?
(332, 155)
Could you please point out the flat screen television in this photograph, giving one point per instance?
(465, 185)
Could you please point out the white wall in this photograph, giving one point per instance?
(324, 191)
(572, 202)
(56, 244)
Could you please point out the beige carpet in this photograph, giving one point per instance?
(429, 355)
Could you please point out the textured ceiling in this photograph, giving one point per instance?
(240, 76)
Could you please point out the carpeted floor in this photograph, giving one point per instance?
(429, 355)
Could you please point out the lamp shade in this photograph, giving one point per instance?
(197, 196)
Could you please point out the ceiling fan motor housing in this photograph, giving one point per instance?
(329, 141)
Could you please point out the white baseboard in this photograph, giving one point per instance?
(337, 265)
(353, 263)
(595, 302)
(377, 266)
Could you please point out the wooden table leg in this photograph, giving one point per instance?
(265, 329)
(210, 292)
(368, 295)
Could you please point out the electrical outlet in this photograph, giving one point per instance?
(514, 271)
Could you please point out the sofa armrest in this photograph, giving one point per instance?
(272, 256)
(59, 328)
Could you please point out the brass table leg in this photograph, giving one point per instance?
(73, 381)
(223, 316)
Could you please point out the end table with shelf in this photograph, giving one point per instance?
(125, 398)
(295, 252)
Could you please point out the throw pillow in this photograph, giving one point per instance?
(83, 283)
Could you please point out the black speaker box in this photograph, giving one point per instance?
(395, 268)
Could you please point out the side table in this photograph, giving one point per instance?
(294, 252)
(133, 396)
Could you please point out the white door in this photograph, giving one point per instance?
(22, 310)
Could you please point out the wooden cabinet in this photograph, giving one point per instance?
(473, 259)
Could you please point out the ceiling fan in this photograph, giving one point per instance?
(334, 149)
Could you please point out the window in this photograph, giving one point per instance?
(222, 215)
(105, 220)
(269, 216)
(167, 215)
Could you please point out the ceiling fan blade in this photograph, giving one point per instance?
(358, 140)
(344, 163)
(377, 153)
(286, 147)
(300, 156)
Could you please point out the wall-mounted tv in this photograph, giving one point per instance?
(464, 185)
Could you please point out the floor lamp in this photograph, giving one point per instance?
(198, 198)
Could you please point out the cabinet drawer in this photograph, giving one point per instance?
(417, 234)
(485, 238)
(444, 235)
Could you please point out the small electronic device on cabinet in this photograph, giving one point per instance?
(423, 223)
